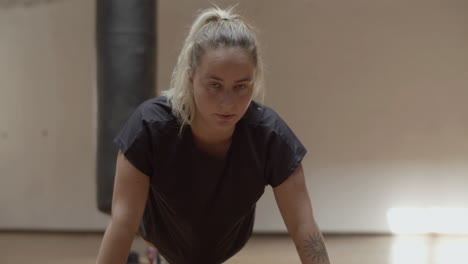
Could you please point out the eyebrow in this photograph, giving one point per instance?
(219, 79)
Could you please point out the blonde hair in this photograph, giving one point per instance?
(213, 28)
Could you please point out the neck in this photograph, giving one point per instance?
(215, 143)
(205, 135)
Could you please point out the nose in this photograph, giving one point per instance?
(227, 97)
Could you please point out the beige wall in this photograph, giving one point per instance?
(47, 117)
(376, 90)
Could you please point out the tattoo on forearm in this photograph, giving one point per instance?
(314, 248)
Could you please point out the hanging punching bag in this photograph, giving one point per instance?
(125, 42)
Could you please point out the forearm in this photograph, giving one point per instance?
(116, 244)
(310, 245)
(296, 209)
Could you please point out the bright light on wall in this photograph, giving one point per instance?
(437, 220)
(452, 251)
(423, 249)
(409, 250)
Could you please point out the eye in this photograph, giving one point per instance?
(214, 85)
(241, 86)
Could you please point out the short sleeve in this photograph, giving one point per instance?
(285, 153)
(134, 140)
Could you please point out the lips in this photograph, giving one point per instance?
(225, 116)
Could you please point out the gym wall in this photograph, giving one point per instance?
(376, 90)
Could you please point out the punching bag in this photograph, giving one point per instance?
(126, 44)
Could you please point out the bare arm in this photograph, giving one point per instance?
(128, 204)
(296, 209)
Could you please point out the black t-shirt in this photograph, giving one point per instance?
(201, 209)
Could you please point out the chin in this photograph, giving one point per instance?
(224, 125)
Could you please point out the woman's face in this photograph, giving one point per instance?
(222, 87)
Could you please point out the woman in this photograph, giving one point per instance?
(193, 163)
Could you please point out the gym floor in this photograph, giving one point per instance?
(82, 248)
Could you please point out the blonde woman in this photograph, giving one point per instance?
(194, 162)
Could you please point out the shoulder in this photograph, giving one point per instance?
(273, 142)
(156, 109)
(260, 116)
(267, 127)
(157, 114)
